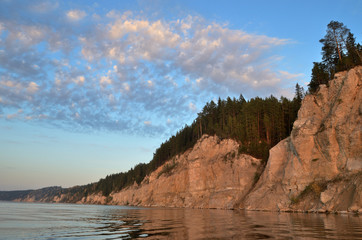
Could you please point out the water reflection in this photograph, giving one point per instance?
(62, 221)
(223, 224)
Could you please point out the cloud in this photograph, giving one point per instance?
(192, 107)
(44, 6)
(79, 80)
(32, 87)
(75, 15)
(287, 75)
(114, 71)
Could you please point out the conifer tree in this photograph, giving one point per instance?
(354, 55)
(319, 76)
(334, 43)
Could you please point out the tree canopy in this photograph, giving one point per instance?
(339, 52)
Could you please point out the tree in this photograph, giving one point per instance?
(354, 55)
(334, 43)
(319, 76)
(297, 101)
(299, 93)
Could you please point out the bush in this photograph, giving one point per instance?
(167, 169)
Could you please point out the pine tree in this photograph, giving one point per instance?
(334, 43)
(354, 57)
(319, 76)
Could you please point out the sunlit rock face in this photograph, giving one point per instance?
(210, 175)
(318, 168)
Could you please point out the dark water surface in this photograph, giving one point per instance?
(67, 221)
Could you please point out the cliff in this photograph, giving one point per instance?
(210, 175)
(318, 168)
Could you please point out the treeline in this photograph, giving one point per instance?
(257, 124)
(339, 53)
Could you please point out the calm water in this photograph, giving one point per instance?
(66, 221)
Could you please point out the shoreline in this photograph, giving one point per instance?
(325, 212)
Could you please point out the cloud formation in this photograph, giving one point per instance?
(124, 72)
(75, 15)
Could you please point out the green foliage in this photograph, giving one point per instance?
(115, 182)
(320, 75)
(339, 53)
(167, 169)
(334, 43)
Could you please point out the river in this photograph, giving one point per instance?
(70, 221)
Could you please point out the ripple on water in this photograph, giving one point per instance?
(66, 221)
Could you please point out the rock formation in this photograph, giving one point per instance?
(318, 168)
(210, 175)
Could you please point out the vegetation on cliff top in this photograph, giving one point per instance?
(339, 53)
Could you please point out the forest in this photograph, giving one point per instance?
(257, 124)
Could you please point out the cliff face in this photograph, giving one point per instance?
(210, 175)
(318, 168)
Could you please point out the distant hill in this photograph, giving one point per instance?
(32, 195)
(12, 195)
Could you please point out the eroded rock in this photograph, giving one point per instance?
(324, 148)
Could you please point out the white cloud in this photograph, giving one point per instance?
(32, 87)
(2, 27)
(75, 15)
(12, 116)
(44, 6)
(79, 80)
(126, 87)
(105, 80)
(288, 75)
(192, 107)
(150, 83)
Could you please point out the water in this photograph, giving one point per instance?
(67, 221)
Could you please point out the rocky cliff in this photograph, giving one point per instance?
(210, 175)
(318, 168)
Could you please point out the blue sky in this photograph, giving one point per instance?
(90, 88)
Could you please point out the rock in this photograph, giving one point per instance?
(210, 175)
(324, 149)
(327, 195)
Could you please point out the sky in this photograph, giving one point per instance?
(92, 88)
